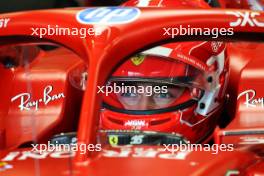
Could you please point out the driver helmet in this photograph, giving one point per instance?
(173, 88)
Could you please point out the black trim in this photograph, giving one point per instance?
(205, 137)
(154, 111)
(234, 133)
(181, 80)
(213, 3)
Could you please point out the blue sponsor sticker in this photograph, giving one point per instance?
(108, 15)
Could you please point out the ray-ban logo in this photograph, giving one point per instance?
(26, 102)
(250, 100)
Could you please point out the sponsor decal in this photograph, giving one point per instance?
(37, 155)
(245, 18)
(191, 60)
(116, 152)
(137, 139)
(136, 123)
(4, 166)
(138, 59)
(4, 22)
(250, 100)
(108, 15)
(26, 103)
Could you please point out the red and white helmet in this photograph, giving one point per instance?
(175, 88)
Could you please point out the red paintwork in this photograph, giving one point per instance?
(131, 163)
(99, 56)
(46, 69)
(249, 74)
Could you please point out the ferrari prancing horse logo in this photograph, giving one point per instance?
(138, 59)
(113, 140)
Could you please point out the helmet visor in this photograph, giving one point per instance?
(154, 87)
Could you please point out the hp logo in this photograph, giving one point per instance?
(108, 15)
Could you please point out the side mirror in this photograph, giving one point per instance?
(13, 56)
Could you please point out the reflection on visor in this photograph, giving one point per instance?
(146, 96)
(155, 84)
(142, 96)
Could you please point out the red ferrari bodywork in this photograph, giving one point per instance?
(244, 130)
(59, 116)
